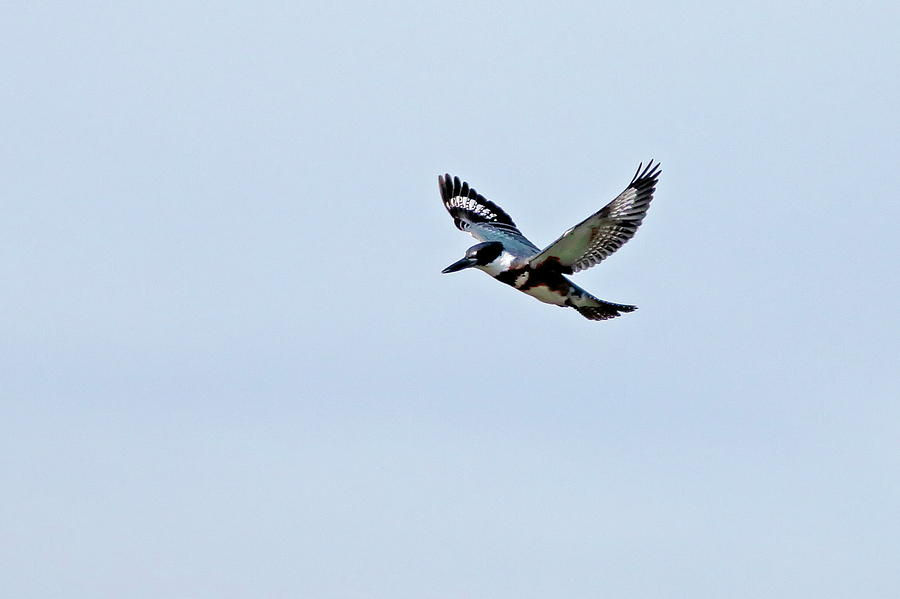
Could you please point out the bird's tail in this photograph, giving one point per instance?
(596, 309)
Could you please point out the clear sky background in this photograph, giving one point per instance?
(230, 365)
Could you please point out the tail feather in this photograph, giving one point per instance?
(596, 309)
(604, 311)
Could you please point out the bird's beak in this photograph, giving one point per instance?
(460, 264)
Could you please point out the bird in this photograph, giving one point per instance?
(507, 255)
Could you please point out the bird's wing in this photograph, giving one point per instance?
(589, 242)
(478, 216)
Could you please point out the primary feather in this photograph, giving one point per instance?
(595, 238)
(481, 218)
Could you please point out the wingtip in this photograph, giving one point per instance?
(651, 171)
(451, 186)
(445, 186)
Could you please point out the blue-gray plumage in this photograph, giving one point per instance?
(511, 258)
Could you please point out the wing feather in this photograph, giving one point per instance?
(478, 216)
(598, 236)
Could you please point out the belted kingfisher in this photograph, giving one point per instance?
(509, 257)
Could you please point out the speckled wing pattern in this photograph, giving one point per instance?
(589, 242)
(481, 218)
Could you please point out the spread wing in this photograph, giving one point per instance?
(478, 216)
(589, 242)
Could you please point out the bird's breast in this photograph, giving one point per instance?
(548, 287)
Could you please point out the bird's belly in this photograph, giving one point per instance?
(547, 294)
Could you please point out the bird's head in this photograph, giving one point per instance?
(479, 255)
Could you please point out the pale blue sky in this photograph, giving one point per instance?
(231, 366)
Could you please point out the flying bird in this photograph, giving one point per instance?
(508, 256)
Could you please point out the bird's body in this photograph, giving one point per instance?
(511, 258)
